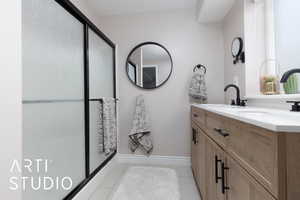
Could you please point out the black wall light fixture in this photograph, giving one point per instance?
(237, 50)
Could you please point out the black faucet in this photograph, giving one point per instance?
(238, 97)
(284, 79)
(287, 74)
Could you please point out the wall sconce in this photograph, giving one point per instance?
(237, 47)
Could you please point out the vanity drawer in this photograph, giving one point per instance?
(256, 150)
(216, 128)
(198, 116)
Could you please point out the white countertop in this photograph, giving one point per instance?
(271, 119)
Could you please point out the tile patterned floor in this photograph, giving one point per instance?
(109, 184)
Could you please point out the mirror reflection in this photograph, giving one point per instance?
(236, 47)
(149, 65)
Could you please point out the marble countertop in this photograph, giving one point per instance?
(271, 119)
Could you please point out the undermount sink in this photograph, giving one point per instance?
(224, 106)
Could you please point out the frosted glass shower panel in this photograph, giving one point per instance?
(52, 52)
(101, 67)
(53, 96)
(54, 131)
(101, 84)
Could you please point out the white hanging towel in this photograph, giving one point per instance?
(108, 126)
(198, 88)
(140, 132)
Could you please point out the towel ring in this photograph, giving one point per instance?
(200, 67)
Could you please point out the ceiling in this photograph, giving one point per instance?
(208, 11)
(211, 11)
(126, 7)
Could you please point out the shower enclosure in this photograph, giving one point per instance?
(67, 61)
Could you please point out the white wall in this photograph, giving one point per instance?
(189, 44)
(10, 90)
(233, 26)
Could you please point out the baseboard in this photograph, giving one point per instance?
(154, 160)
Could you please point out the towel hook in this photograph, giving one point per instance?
(199, 66)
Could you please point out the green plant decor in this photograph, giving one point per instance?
(291, 86)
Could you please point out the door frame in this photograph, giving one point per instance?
(156, 72)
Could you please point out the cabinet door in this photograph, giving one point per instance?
(256, 150)
(201, 162)
(194, 150)
(213, 161)
(198, 157)
(241, 185)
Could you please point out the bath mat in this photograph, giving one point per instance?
(148, 183)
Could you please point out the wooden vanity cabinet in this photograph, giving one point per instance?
(241, 186)
(198, 157)
(232, 160)
(195, 151)
(213, 162)
(256, 150)
(198, 116)
(216, 128)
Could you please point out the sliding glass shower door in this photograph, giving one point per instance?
(53, 99)
(68, 68)
(101, 85)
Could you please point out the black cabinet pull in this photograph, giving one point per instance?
(224, 187)
(221, 132)
(217, 161)
(195, 115)
(194, 137)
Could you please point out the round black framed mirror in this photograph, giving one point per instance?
(237, 47)
(149, 65)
